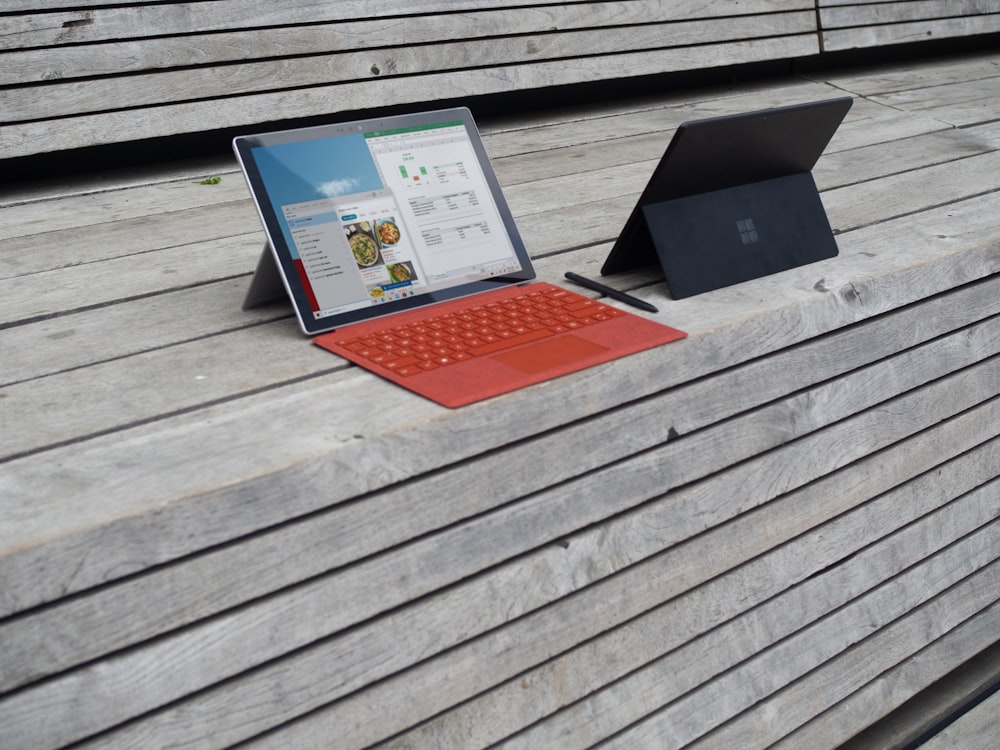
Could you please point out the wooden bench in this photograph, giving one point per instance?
(95, 73)
(775, 532)
(112, 74)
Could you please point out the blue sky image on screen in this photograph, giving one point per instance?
(312, 170)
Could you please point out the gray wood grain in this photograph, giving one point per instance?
(262, 631)
(891, 641)
(617, 654)
(840, 13)
(407, 45)
(903, 33)
(975, 730)
(102, 59)
(632, 594)
(278, 555)
(85, 466)
(190, 117)
(900, 76)
(895, 686)
(776, 530)
(186, 18)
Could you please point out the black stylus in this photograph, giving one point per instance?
(628, 299)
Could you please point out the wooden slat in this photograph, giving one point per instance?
(908, 702)
(100, 62)
(299, 36)
(96, 129)
(960, 104)
(891, 648)
(897, 77)
(179, 18)
(975, 730)
(902, 33)
(88, 24)
(612, 659)
(835, 14)
(893, 642)
(289, 73)
(185, 720)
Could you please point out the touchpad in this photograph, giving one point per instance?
(556, 353)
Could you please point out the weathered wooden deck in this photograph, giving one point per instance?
(774, 532)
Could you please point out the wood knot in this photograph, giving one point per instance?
(85, 21)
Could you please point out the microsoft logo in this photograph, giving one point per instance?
(748, 232)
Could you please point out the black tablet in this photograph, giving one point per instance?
(702, 218)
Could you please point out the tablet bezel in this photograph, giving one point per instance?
(243, 148)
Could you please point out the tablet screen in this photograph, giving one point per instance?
(375, 216)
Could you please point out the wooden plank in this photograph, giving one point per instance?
(323, 674)
(210, 83)
(295, 39)
(511, 707)
(96, 129)
(863, 663)
(531, 597)
(160, 208)
(848, 207)
(263, 356)
(64, 343)
(162, 192)
(113, 236)
(904, 154)
(164, 671)
(960, 104)
(104, 206)
(913, 694)
(504, 655)
(196, 169)
(85, 26)
(704, 311)
(204, 371)
(903, 33)
(96, 24)
(892, 643)
(20, 6)
(901, 76)
(609, 662)
(256, 559)
(847, 13)
(605, 122)
(561, 595)
(600, 221)
(101, 204)
(975, 730)
(79, 288)
(902, 194)
(43, 230)
(234, 221)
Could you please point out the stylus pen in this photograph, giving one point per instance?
(628, 299)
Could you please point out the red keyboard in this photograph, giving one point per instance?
(480, 329)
